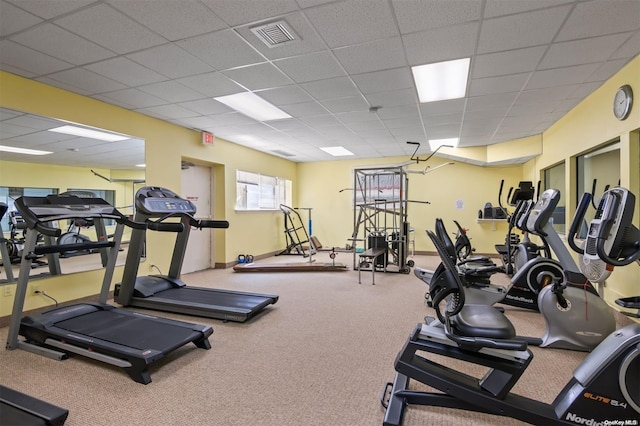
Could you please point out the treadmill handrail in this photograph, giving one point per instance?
(74, 208)
(196, 223)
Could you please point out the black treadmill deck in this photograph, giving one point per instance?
(137, 340)
(226, 305)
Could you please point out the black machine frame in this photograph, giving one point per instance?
(158, 208)
(99, 331)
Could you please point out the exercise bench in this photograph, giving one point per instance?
(370, 255)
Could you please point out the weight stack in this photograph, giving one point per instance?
(379, 241)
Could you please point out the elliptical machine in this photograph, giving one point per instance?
(603, 389)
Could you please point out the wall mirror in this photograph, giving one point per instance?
(43, 155)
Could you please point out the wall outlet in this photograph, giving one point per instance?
(8, 291)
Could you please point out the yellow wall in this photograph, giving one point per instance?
(317, 185)
(166, 144)
(333, 216)
(589, 125)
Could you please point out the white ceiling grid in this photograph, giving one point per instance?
(346, 80)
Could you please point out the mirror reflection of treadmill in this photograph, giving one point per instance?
(164, 210)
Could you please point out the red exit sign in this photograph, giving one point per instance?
(207, 138)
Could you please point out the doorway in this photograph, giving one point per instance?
(196, 187)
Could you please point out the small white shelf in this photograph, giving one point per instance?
(491, 221)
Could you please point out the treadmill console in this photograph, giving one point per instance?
(153, 200)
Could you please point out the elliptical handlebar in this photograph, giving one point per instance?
(583, 205)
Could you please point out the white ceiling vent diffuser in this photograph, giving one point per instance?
(275, 33)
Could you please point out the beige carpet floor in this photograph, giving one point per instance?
(320, 356)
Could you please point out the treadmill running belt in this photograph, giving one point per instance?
(132, 331)
(214, 298)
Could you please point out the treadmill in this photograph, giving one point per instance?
(165, 211)
(17, 408)
(130, 340)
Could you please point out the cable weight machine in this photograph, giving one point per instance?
(380, 218)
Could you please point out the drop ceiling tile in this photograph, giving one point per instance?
(304, 109)
(285, 95)
(222, 49)
(132, 98)
(531, 110)
(33, 62)
(348, 104)
(86, 81)
(495, 8)
(231, 119)
(237, 12)
(509, 62)
(414, 134)
(578, 52)
(331, 88)
(174, 20)
(440, 119)
(393, 98)
(394, 123)
(211, 84)
(600, 17)
(585, 89)
(399, 111)
(443, 131)
(319, 121)
(48, 9)
(256, 77)
(374, 56)
(62, 44)
(126, 71)
(441, 44)
(167, 112)
(360, 126)
(521, 30)
(420, 15)
(352, 22)
(314, 66)
(57, 83)
(356, 116)
(13, 19)
(545, 94)
(486, 114)
(171, 61)
(561, 76)
(442, 107)
(206, 106)
(630, 48)
(502, 84)
(382, 81)
(492, 100)
(306, 38)
(171, 91)
(109, 28)
(606, 70)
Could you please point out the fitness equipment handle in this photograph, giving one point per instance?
(212, 224)
(165, 226)
(583, 205)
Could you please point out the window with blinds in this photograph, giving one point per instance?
(259, 192)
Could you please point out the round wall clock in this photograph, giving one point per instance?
(622, 102)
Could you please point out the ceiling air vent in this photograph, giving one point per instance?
(283, 153)
(275, 33)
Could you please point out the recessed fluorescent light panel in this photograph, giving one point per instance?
(89, 133)
(437, 143)
(141, 165)
(442, 80)
(337, 151)
(253, 106)
(23, 150)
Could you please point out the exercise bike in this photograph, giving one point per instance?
(575, 316)
(604, 387)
